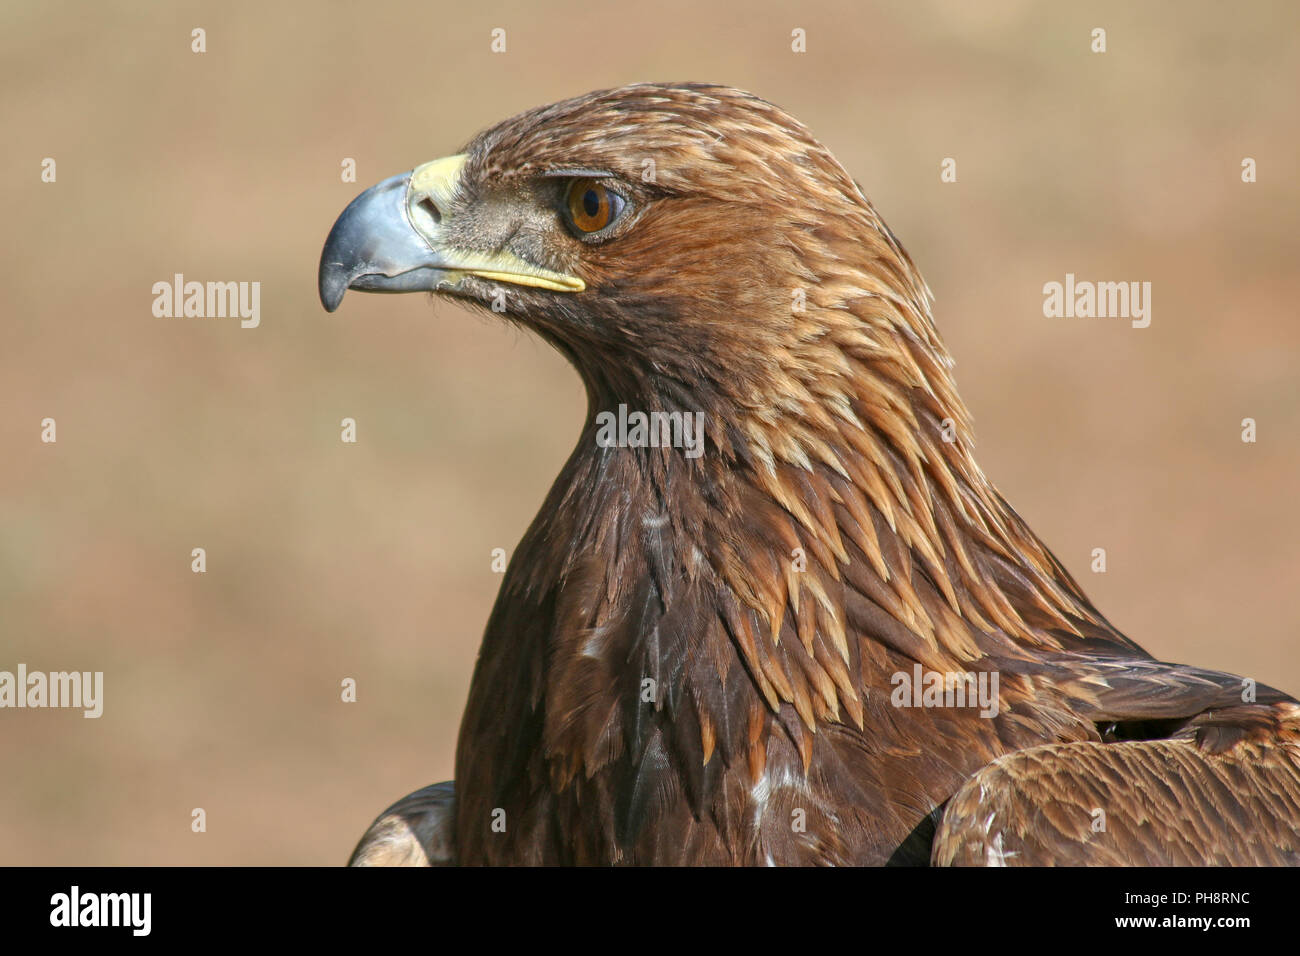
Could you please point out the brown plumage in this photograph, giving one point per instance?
(692, 659)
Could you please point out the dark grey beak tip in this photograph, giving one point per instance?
(334, 273)
(333, 283)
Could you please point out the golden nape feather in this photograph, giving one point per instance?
(781, 617)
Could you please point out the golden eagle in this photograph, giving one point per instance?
(816, 633)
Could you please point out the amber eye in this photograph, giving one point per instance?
(591, 206)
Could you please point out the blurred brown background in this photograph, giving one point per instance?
(372, 561)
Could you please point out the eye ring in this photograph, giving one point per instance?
(591, 207)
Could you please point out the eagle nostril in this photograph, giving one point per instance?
(430, 209)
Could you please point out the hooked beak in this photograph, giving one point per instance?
(392, 238)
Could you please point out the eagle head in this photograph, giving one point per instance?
(681, 244)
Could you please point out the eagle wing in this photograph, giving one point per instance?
(415, 831)
(1223, 790)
